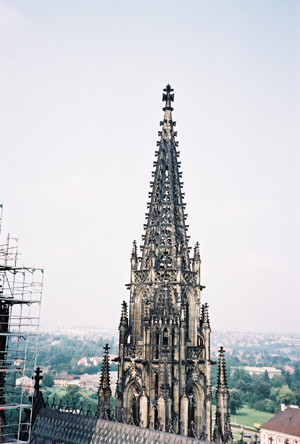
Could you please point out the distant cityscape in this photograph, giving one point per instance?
(255, 353)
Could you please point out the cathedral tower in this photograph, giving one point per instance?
(164, 347)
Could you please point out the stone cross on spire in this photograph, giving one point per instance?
(168, 97)
(37, 379)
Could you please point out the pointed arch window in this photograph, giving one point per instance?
(200, 340)
(165, 336)
(156, 385)
(155, 343)
(156, 337)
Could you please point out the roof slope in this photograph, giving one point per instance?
(287, 421)
(55, 427)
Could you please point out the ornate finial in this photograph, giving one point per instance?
(38, 399)
(124, 315)
(222, 376)
(197, 251)
(168, 97)
(37, 378)
(205, 315)
(134, 249)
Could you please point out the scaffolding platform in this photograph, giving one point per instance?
(20, 302)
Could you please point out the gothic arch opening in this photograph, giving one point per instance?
(200, 340)
(155, 417)
(196, 413)
(128, 338)
(165, 336)
(192, 315)
(137, 314)
(155, 384)
(155, 342)
(132, 402)
(165, 300)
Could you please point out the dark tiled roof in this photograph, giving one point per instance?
(55, 427)
(287, 421)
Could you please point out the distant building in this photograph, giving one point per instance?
(283, 426)
(26, 382)
(272, 371)
(90, 381)
(62, 379)
(83, 361)
(95, 360)
(78, 382)
(289, 369)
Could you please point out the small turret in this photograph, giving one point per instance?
(205, 316)
(134, 259)
(178, 257)
(223, 426)
(124, 316)
(152, 257)
(196, 258)
(104, 392)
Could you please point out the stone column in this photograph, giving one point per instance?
(162, 412)
(184, 413)
(144, 410)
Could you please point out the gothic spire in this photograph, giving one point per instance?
(222, 376)
(223, 425)
(124, 316)
(166, 228)
(104, 392)
(205, 317)
(38, 399)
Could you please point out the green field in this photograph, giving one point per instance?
(247, 417)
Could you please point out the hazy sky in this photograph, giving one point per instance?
(80, 105)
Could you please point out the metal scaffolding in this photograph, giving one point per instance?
(20, 302)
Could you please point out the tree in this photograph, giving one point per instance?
(286, 396)
(241, 385)
(235, 401)
(72, 396)
(48, 380)
(263, 390)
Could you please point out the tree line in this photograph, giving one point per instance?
(261, 392)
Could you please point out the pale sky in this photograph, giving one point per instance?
(80, 105)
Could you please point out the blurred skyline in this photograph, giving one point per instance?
(81, 87)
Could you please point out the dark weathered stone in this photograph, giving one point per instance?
(164, 347)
